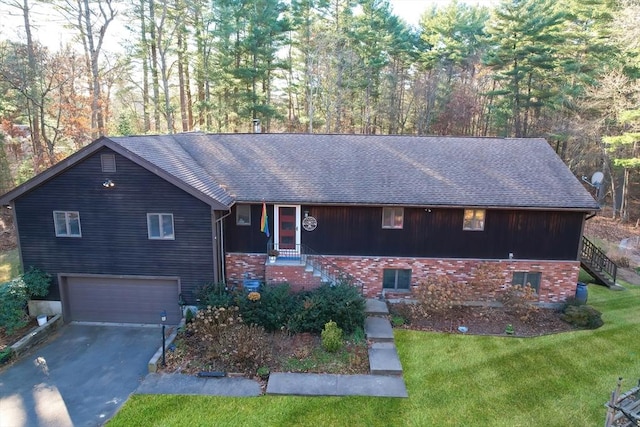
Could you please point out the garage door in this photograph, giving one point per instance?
(119, 299)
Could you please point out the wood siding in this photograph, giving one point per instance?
(114, 226)
(434, 233)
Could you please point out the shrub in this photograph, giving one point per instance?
(5, 355)
(402, 310)
(36, 282)
(188, 317)
(437, 295)
(271, 309)
(215, 295)
(397, 321)
(221, 335)
(341, 303)
(244, 348)
(15, 294)
(331, 337)
(13, 301)
(519, 300)
(582, 316)
(572, 300)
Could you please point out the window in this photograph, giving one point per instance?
(108, 162)
(473, 220)
(243, 214)
(67, 224)
(524, 278)
(396, 279)
(392, 217)
(160, 226)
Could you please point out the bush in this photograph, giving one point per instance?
(437, 295)
(271, 309)
(215, 295)
(244, 348)
(36, 282)
(519, 300)
(341, 303)
(582, 316)
(402, 310)
(5, 355)
(15, 294)
(13, 310)
(397, 321)
(221, 335)
(331, 337)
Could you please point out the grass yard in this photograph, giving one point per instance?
(9, 265)
(452, 380)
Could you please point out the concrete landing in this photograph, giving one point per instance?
(384, 360)
(375, 307)
(336, 385)
(378, 329)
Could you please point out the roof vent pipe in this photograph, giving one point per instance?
(256, 126)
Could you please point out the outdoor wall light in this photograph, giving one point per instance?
(108, 183)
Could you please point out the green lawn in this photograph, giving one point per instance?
(9, 265)
(452, 380)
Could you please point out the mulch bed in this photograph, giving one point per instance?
(485, 321)
(284, 346)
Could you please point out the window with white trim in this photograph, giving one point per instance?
(160, 226)
(473, 220)
(392, 217)
(527, 278)
(396, 279)
(67, 223)
(243, 214)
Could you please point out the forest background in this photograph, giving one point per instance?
(565, 70)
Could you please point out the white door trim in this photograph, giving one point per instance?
(276, 231)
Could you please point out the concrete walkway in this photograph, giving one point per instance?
(192, 385)
(336, 385)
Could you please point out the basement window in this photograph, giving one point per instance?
(67, 223)
(527, 278)
(396, 279)
(160, 226)
(473, 220)
(392, 217)
(243, 214)
(108, 162)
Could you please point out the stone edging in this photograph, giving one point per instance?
(36, 336)
(152, 366)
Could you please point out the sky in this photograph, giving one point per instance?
(51, 34)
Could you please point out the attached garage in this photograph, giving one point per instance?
(119, 299)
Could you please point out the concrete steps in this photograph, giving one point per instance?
(378, 329)
(384, 360)
(383, 356)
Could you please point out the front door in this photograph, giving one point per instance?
(287, 232)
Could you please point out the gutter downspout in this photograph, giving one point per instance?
(221, 261)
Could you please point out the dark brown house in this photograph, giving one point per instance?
(129, 226)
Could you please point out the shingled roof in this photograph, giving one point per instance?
(366, 169)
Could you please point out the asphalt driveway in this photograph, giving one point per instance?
(81, 378)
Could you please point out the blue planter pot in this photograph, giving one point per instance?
(582, 293)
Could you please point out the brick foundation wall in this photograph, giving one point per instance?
(558, 278)
(238, 264)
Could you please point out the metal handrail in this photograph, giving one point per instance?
(318, 262)
(596, 257)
